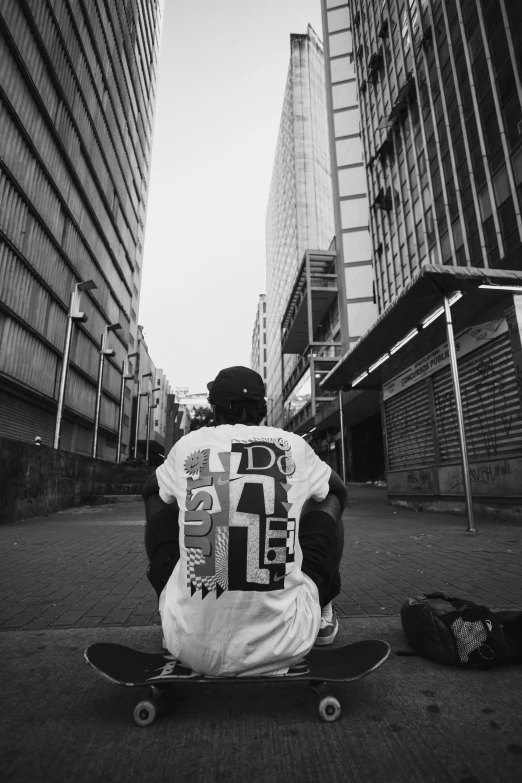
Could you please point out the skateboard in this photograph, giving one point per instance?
(160, 672)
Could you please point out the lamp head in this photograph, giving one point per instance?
(87, 285)
(79, 316)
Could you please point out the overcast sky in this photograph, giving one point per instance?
(221, 81)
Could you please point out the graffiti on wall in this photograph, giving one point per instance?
(420, 481)
(490, 473)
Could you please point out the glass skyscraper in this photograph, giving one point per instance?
(300, 207)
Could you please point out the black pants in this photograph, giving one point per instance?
(321, 536)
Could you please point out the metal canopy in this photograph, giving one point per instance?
(418, 299)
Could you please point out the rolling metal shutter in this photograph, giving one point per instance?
(409, 430)
(21, 421)
(83, 440)
(490, 401)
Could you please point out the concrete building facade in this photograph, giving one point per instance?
(350, 189)
(77, 93)
(300, 212)
(159, 422)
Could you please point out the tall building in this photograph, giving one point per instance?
(77, 93)
(159, 420)
(258, 354)
(299, 213)
(150, 410)
(334, 296)
(440, 91)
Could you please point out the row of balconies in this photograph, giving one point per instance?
(315, 290)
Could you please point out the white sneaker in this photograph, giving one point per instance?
(328, 628)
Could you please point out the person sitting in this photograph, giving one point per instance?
(244, 537)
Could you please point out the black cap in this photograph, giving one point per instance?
(235, 384)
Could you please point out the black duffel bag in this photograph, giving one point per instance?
(459, 632)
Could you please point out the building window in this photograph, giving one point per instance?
(156, 422)
(125, 420)
(508, 222)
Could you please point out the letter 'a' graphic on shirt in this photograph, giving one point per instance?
(238, 532)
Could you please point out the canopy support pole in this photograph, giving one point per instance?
(341, 424)
(460, 415)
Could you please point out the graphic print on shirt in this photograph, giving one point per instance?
(244, 541)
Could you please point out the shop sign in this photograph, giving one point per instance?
(465, 342)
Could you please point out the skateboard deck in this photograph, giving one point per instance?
(160, 671)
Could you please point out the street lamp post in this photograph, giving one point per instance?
(140, 395)
(126, 375)
(149, 408)
(104, 351)
(73, 315)
(460, 415)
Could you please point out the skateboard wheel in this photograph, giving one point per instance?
(329, 708)
(144, 713)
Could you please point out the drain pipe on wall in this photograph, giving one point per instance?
(341, 424)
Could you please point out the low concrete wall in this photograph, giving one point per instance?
(40, 480)
(496, 488)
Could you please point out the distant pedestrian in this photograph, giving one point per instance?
(253, 565)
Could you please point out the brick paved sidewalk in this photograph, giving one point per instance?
(391, 553)
(85, 567)
(79, 568)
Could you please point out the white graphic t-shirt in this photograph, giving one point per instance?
(237, 602)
